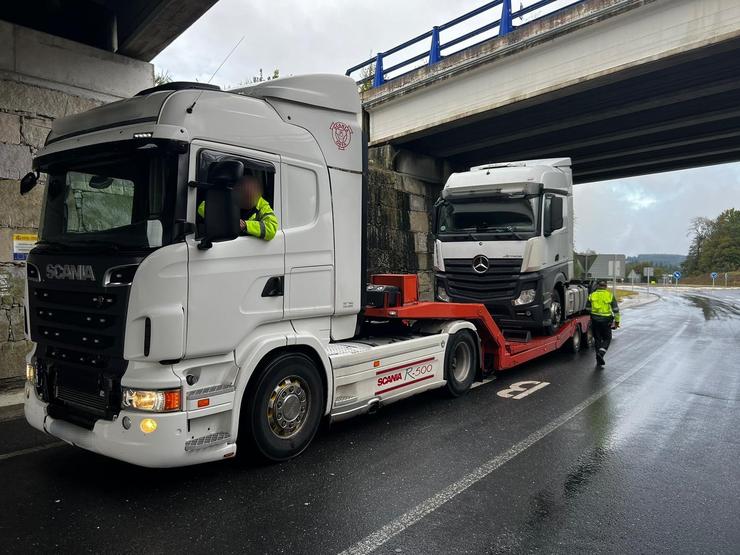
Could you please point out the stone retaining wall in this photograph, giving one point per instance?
(399, 225)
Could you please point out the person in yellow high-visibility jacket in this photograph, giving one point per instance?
(602, 305)
(256, 217)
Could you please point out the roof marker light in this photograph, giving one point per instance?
(144, 135)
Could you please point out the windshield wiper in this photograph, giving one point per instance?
(96, 243)
(508, 229)
(52, 245)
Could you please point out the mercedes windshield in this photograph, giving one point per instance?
(120, 195)
(491, 218)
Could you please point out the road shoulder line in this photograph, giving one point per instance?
(376, 539)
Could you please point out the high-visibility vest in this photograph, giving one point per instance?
(261, 223)
(602, 303)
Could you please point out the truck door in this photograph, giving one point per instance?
(237, 285)
(558, 229)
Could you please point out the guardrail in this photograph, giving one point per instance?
(504, 22)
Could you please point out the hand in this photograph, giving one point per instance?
(242, 225)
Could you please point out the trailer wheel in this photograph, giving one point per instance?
(460, 363)
(284, 409)
(574, 343)
(587, 338)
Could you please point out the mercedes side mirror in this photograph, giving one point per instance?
(554, 216)
(29, 181)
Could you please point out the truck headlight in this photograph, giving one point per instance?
(31, 372)
(153, 401)
(442, 294)
(525, 297)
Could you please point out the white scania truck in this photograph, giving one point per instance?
(504, 238)
(164, 339)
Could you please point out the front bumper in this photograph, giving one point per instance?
(162, 448)
(532, 316)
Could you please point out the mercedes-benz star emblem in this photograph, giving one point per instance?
(480, 264)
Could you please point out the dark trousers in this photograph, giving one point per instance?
(602, 328)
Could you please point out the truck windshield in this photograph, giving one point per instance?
(494, 218)
(122, 197)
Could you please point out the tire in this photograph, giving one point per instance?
(283, 411)
(587, 338)
(556, 313)
(461, 359)
(574, 343)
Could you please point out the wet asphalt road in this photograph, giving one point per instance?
(641, 457)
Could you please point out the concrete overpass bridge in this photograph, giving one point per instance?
(624, 87)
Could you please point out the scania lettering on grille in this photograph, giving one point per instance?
(394, 378)
(81, 272)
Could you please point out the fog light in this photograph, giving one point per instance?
(31, 372)
(148, 425)
(525, 297)
(442, 294)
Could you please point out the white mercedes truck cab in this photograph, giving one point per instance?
(504, 238)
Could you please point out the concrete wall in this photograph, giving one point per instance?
(42, 77)
(399, 222)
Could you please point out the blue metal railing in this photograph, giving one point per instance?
(504, 23)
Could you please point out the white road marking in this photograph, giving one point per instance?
(522, 389)
(379, 537)
(21, 452)
(484, 382)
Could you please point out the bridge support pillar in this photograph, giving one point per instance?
(403, 187)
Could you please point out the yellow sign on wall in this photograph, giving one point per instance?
(22, 244)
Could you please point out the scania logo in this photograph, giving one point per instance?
(480, 264)
(80, 272)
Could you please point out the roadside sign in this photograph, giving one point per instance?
(647, 271)
(677, 275)
(714, 276)
(22, 245)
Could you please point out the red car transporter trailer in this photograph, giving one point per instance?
(498, 353)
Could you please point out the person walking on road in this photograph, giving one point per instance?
(602, 305)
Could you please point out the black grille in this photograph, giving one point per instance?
(498, 282)
(79, 327)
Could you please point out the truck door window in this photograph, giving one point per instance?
(264, 171)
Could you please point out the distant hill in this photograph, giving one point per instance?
(658, 259)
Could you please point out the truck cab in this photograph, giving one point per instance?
(503, 236)
(138, 307)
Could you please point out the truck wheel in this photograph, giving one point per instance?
(285, 407)
(460, 363)
(574, 343)
(556, 313)
(587, 338)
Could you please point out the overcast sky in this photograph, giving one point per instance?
(648, 214)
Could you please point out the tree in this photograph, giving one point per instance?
(162, 77)
(715, 246)
(261, 77)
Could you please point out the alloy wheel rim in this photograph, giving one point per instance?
(288, 407)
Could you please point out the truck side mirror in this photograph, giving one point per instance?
(28, 182)
(221, 222)
(554, 216)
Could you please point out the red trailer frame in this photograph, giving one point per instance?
(506, 354)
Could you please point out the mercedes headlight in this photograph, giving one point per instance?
(442, 294)
(525, 297)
